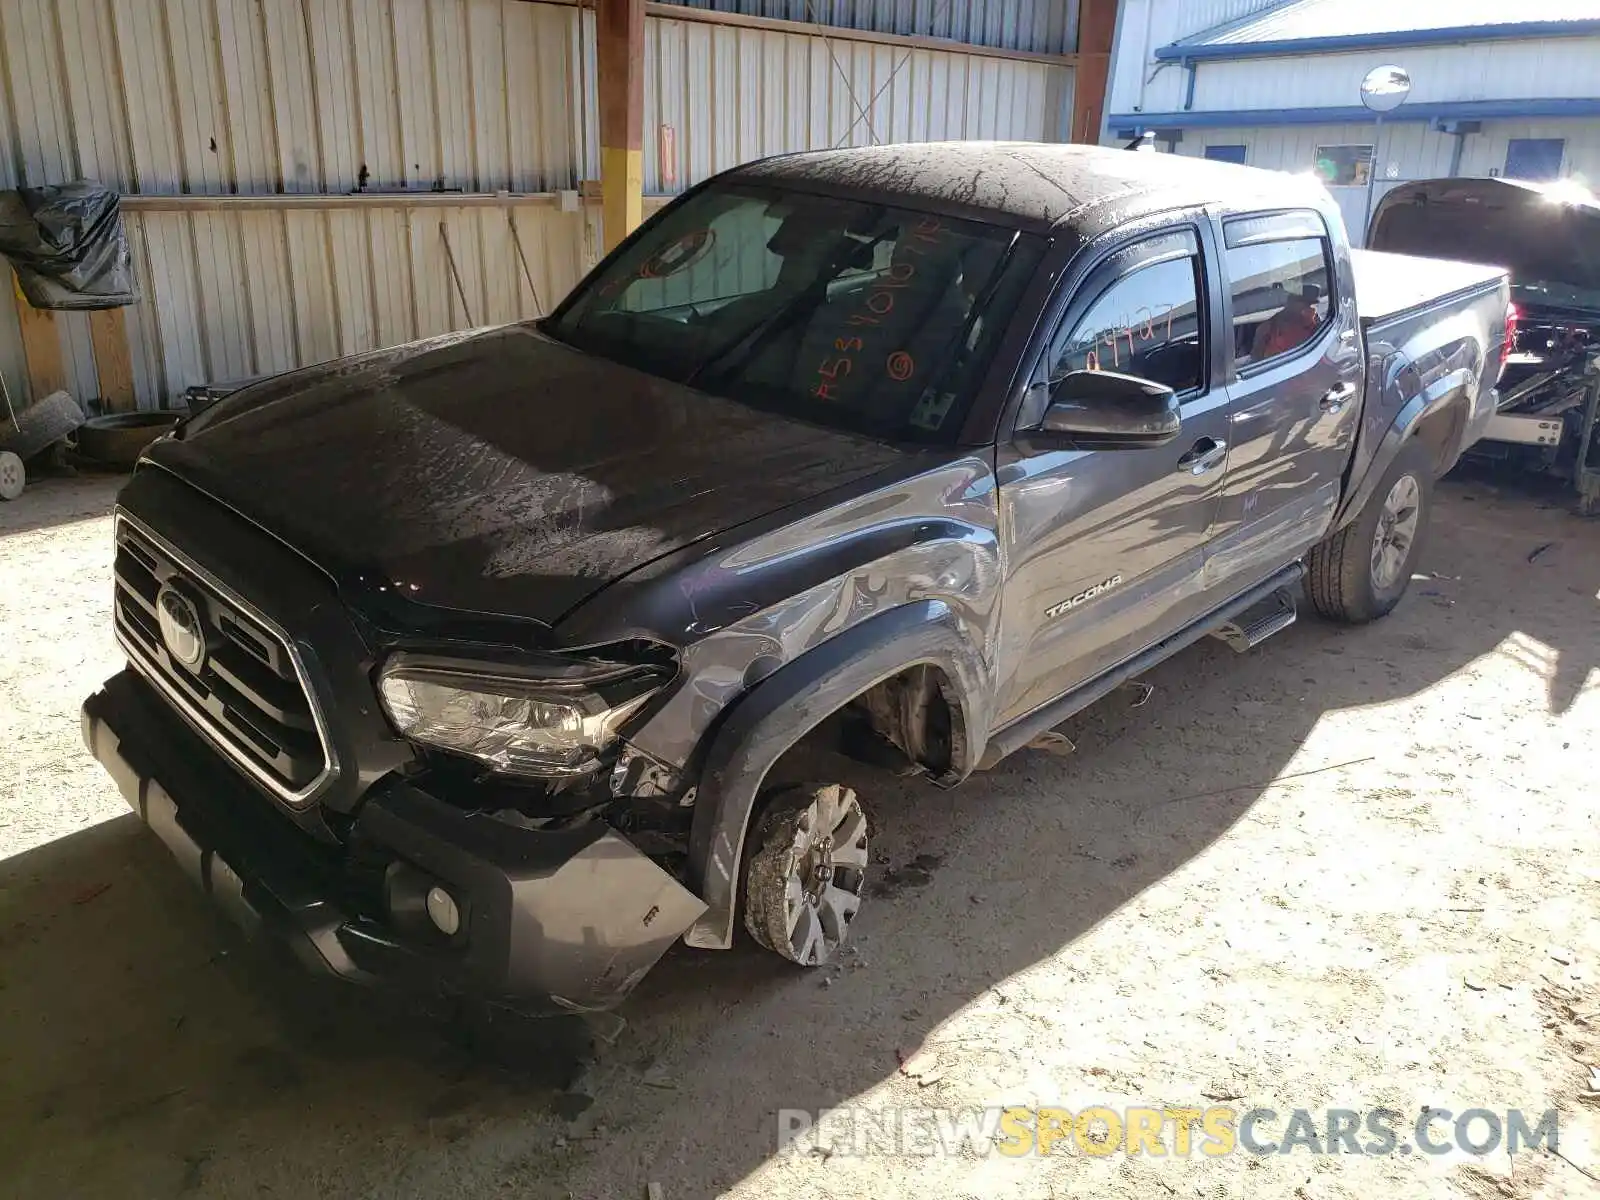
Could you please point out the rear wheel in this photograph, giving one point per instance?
(1359, 573)
(805, 870)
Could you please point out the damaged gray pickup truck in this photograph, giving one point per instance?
(470, 664)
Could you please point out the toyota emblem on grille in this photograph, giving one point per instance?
(180, 627)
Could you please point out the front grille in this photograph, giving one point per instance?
(248, 694)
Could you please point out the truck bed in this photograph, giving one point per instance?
(1390, 287)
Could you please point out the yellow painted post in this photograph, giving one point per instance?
(620, 50)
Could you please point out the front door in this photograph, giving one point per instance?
(1104, 548)
(1294, 393)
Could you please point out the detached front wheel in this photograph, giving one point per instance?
(804, 872)
(1359, 573)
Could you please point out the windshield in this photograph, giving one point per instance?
(856, 316)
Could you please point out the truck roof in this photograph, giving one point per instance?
(1038, 186)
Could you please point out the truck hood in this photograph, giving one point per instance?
(498, 472)
(1547, 237)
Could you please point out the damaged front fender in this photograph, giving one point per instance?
(791, 702)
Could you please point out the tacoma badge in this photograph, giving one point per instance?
(1099, 589)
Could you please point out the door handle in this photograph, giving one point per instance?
(1203, 455)
(1335, 399)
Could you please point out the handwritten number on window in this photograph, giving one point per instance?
(1136, 332)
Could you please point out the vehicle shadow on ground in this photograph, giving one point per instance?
(59, 499)
(153, 1055)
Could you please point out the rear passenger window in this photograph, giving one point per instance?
(1280, 297)
(1147, 324)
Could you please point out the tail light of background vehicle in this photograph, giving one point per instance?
(1513, 320)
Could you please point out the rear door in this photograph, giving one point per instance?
(1105, 548)
(1294, 391)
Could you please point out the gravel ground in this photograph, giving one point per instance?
(1354, 868)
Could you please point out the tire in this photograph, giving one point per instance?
(118, 439)
(805, 867)
(1350, 577)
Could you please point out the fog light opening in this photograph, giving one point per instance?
(443, 911)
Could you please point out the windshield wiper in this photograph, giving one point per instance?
(761, 332)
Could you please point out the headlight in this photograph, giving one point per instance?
(522, 725)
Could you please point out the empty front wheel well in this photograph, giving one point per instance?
(917, 712)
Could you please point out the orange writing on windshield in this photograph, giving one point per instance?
(881, 297)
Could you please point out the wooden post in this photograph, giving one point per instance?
(619, 48)
(41, 345)
(1097, 30)
(108, 334)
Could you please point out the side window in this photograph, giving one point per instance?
(1343, 166)
(1280, 297)
(1147, 323)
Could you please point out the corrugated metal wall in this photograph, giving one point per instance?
(216, 96)
(255, 97)
(1044, 25)
(727, 95)
(164, 97)
(230, 294)
(237, 294)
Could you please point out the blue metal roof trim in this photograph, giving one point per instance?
(1132, 124)
(1453, 35)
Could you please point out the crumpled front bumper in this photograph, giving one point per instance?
(564, 920)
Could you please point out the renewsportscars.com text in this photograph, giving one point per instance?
(1212, 1131)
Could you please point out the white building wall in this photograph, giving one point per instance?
(1485, 153)
(1405, 151)
(1143, 27)
(220, 98)
(1546, 68)
(1522, 69)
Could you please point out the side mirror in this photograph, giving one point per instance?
(1102, 410)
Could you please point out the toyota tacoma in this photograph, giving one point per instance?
(466, 665)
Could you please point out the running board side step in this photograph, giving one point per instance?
(1256, 624)
(1027, 728)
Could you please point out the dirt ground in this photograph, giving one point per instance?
(1353, 868)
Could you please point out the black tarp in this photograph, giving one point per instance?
(67, 245)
